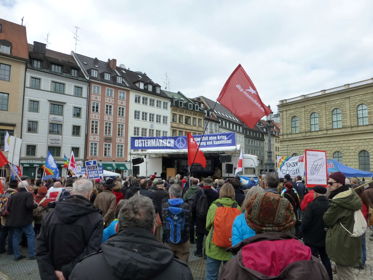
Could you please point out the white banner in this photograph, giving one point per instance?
(316, 168)
(14, 150)
(294, 166)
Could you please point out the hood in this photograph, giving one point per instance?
(135, 254)
(175, 201)
(268, 257)
(226, 201)
(72, 208)
(348, 200)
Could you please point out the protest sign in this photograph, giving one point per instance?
(92, 169)
(294, 166)
(316, 168)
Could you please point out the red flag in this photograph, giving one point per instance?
(239, 163)
(195, 155)
(3, 159)
(240, 96)
(72, 163)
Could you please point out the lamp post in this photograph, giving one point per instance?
(269, 165)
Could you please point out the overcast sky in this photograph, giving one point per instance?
(287, 47)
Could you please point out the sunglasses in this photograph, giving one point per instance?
(331, 183)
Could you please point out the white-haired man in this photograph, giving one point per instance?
(72, 231)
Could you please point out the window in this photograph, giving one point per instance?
(364, 160)
(120, 149)
(57, 87)
(75, 150)
(151, 132)
(337, 156)
(158, 90)
(136, 131)
(150, 87)
(200, 122)
(151, 117)
(140, 85)
(143, 132)
(121, 112)
(93, 149)
(164, 133)
(336, 118)
(137, 115)
(94, 127)
(31, 150)
(56, 68)
(180, 133)
(108, 109)
(181, 119)
(174, 117)
(36, 63)
(107, 76)
(137, 99)
(119, 79)
(74, 72)
(314, 121)
(32, 126)
(33, 106)
(187, 120)
(157, 133)
(2, 136)
(159, 104)
(56, 109)
(94, 73)
(77, 112)
(165, 119)
(109, 92)
(158, 118)
(55, 151)
(122, 95)
(362, 114)
(294, 125)
(76, 130)
(55, 128)
(96, 89)
(174, 132)
(151, 102)
(95, 107)
(120, 130)
(194, 121)
(78, 91)
(35, 83)
(4, 72)
(107, 129)
(107, 149)
(5, 48)
(144, 116)
(144, 100)
(165, 105)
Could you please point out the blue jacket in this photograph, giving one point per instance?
(240, 230)
(110, 230)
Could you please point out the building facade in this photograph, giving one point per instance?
(54, 115)
(338, 120)
(13, 59)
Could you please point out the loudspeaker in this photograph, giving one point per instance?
(229, 168)
(225, 158)
(137, 161)
(136, 170)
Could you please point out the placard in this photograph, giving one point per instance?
(92, 169)
(316, 168)
(294, 166)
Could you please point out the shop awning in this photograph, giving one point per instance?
(121, 166)
(108, 165)
(31, 164)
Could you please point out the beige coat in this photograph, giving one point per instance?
(106, 202)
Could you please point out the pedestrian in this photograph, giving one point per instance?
(365, 212)
(20, 209)
(106, 201)
(219, 222)
(271, 183)
(6, 233)
(55, 191)
(116, 191)
(70, 232)
(300, 187)
(341, 247)
(239, 194)
(134, 253)
(159, 195)
(190, 198)
(273, 253)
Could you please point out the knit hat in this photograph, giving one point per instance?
(266, 212)
(319, 189)
(288, 185)
(339, 177)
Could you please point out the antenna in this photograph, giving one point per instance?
(22, 20)
(166, 82)
(47, 39)
(76, 37)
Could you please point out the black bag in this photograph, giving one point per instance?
(202, 205)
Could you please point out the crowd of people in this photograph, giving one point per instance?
(144, 228)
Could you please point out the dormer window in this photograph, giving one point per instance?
(5, 46)
(140, 85)
(158, 89)
(196, 107)
(56, 68)
(150, 87)
(119, 79)
(94, 73)
(74, 72)
(36, 63)
(107, 76)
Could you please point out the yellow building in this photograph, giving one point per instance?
(187, 115)
(338, 120)
(13, 57)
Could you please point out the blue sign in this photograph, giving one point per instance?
(92, 170)
(180, 142)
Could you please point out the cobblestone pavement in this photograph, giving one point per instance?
(27, 269)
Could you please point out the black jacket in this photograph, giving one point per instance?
(20, 208)
(70, 232)
(239, 196)
(132, 254)
(159, 196)
(313, 227)
(211, 195)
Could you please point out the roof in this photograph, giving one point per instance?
(221, 111)
(16, 35)
(177, 95)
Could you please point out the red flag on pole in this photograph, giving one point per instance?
(3, 160)
(240, 96)
(195, 155)
(239, 163)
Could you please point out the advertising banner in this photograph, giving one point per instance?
(316, 168)
(294, 166)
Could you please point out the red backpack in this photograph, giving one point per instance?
(223, 222)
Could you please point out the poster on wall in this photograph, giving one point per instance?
(294, 166)
(316, 168)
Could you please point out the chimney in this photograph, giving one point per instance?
(39, 47)
(112, 63)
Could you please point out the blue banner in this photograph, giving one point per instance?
(180, 142)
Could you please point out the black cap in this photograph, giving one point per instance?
(109, 183)
(320, 189)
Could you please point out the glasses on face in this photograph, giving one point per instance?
(330, 183)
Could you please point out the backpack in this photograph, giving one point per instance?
(223, 222)
(175, 224)
(360, 225)
(201, 205)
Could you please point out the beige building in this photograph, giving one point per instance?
(13, 57)
(338, 120)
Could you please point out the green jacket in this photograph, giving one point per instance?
(211, 249)
(340, 246)
(190, 193)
